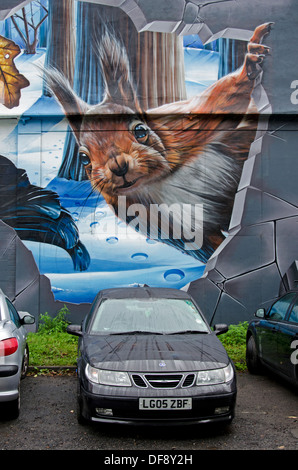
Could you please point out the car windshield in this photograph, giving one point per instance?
(159, 316)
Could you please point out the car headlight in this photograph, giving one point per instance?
(107, 377)
(215, 376)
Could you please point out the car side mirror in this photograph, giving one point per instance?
(220, 328)
(26, 318)
(260, 313)
(75, 330)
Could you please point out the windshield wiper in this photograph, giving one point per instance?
(188, 332)
(141, 332)
(136, 332)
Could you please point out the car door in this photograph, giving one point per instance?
(270, 327)
(287, 336)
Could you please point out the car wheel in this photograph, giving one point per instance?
(252, 359)
(25, 364)
(12, 408)
(296, 375)
(81, 419)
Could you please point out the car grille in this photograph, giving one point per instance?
(189, 380)
(163, 380)
(139, 381)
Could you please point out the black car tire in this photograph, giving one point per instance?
(12, 408)
(80, 418)
(252, 359)
(25, 364)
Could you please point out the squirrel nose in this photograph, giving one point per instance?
(118, 167)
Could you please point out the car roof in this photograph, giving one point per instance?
(143, 292)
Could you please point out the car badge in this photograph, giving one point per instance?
(162, 364)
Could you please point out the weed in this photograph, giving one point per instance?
(234, 342)
(57, 324)
(52, 345)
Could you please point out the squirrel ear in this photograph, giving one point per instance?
(119, 87)
(73, 106)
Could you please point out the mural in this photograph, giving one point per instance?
(124, 138)
(188, 152)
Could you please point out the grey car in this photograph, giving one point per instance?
(14, 355)
(147, 356)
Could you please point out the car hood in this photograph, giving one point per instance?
(165, 353)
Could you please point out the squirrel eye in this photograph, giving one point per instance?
(141, 133)
(84, 158)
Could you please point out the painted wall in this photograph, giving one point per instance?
(153, 108)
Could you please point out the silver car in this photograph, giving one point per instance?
(14, 355)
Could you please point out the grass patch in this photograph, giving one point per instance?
(54, 349)
(234, 342)
(52, 346)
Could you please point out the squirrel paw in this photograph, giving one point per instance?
(257, 51)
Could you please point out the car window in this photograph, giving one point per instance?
(87, 320)
(147, 315)
(294, 313)
(279, 310)
(14, 316)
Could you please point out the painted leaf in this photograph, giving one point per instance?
(11, 81)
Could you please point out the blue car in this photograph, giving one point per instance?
(272, 338)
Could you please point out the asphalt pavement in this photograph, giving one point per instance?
(266, 419)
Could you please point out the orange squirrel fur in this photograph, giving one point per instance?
(183, 153)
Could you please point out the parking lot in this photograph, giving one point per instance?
(266, 419)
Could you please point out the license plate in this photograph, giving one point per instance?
(165, 403)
